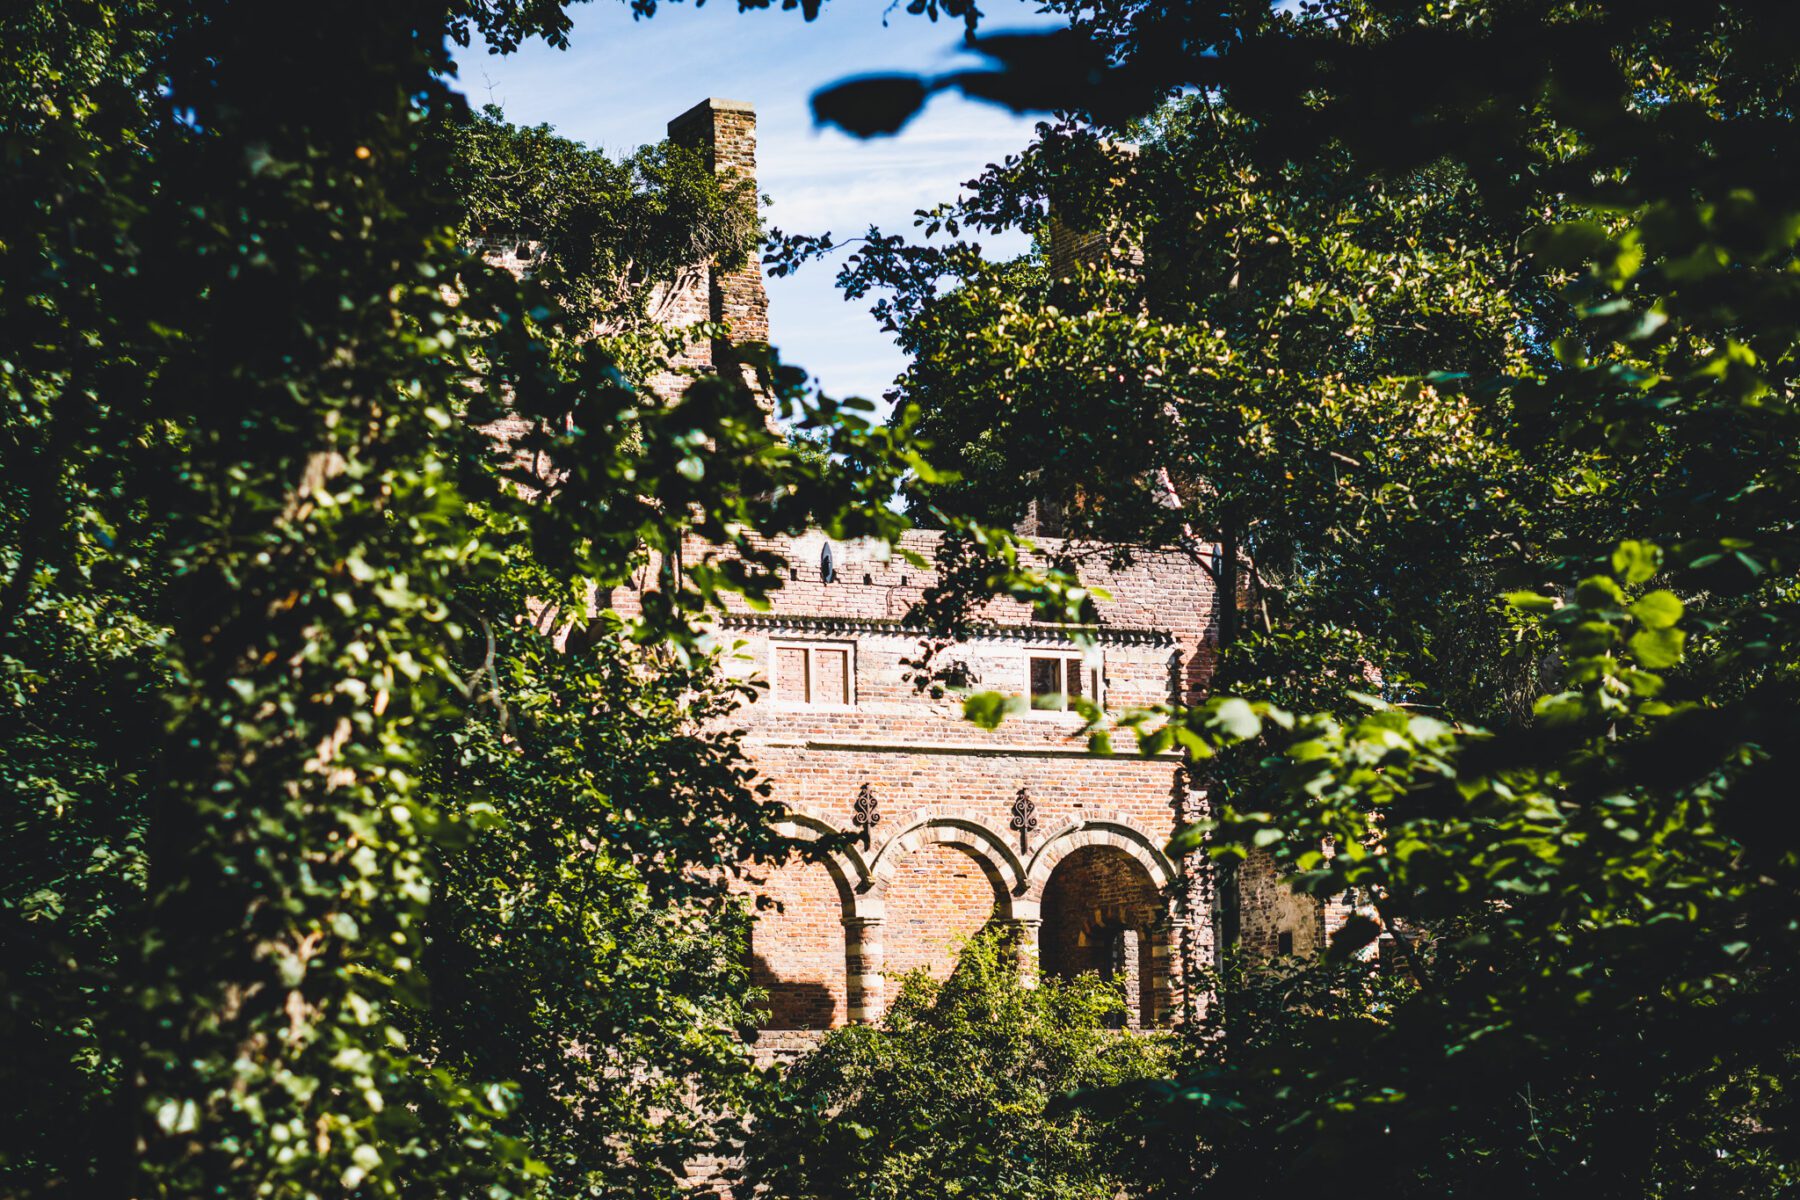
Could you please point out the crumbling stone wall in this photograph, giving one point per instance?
(1274, 920)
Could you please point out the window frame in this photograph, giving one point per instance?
(811, 646)
(1097, 678)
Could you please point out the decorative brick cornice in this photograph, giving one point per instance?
(1105, 635)
(880, 745)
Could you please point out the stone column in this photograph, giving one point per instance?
(864, 960)
(1025, 927)
(1190, 936)
(1127, 968)
(1164, 986)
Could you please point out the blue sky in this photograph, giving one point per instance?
(621, 80)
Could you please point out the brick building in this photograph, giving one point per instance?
(955, 827)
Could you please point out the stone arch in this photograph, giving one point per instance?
(1103, 914)
(1116, 831)
(848, 866)
(961, 831)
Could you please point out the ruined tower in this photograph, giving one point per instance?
(724, 131)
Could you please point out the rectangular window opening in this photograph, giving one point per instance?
(1058, 679)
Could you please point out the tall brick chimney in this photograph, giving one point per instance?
(1073, 247)
(725, 130)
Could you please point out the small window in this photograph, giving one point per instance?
(816, 675)
(1056, 679)
(1284, 943)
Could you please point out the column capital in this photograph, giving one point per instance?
(867, 908)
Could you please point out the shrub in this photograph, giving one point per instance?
(961, 1090)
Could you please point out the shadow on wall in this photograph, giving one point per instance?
(1190, 675)
(792, 1003)
(940, 896)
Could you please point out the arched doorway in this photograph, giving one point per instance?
(1100, 915)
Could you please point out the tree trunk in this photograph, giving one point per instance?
(1227, 580)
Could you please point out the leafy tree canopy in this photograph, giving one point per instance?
(1464, 333)
(960, 1090)
(354, 846)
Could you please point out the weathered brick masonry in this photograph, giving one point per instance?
(956, 826)
(960, 826)
(725, 132)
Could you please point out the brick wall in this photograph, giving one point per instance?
(797, 948)
(938, 899)
(1073, 247)
(725, 130)
(1162, 607)
(947, 852)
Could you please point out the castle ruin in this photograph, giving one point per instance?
(950, 827)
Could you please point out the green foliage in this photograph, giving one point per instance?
(353, 849)
(579, 943)
(314, 850)
(598, 233)
(78, 692)
(1597, 965)
(1497, 297)
(961, 1091)
(1238, 374)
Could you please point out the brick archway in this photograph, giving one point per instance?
(1121, 936)
(964, 832)
(803, 953)
(1102, 915)
(848, 867)
(923, 900)
(1117, 832)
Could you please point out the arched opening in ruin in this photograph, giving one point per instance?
(938, 897)
(1100, 915)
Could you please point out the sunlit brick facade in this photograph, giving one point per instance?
(953, 827)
